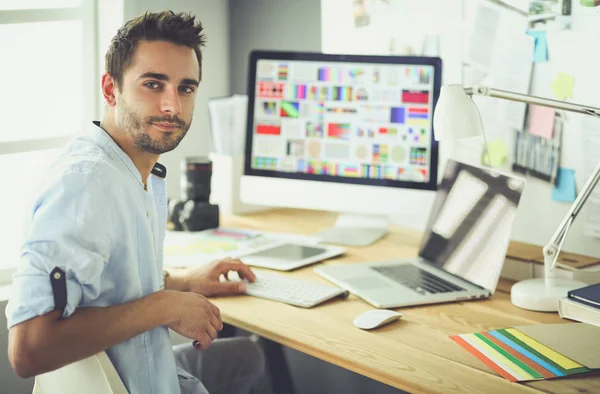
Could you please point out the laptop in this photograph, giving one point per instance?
(461, 253)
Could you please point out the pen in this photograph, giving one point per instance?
(537, 162)
(526, 154)
(554, 162)
(522, 148)
(528, 151)
(517, 146)
(545, 167)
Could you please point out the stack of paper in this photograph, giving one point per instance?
(184, 249)
(188, 249)
(536, 352)
(228, 123)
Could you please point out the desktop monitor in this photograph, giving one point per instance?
(351, 134)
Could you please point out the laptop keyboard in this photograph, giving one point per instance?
(421, 281)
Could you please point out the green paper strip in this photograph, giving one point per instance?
(512, 358)
(549, 361)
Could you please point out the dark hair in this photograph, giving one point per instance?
(179, 29)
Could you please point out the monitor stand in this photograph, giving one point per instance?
(355, 230)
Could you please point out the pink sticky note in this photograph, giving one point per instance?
(541, 121)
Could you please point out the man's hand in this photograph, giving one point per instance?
(195, 317)
(206, 280)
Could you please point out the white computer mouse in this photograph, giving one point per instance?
(375, 318)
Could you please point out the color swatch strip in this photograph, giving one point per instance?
(518, 357)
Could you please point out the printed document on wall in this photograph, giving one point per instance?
(500, 55)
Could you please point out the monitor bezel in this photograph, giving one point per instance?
(257, 55)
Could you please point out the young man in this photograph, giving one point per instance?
(90, 277)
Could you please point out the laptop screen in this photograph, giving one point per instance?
(471, 222)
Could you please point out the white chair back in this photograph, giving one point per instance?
(93, 375)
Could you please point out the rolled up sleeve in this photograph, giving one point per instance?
(70, 227)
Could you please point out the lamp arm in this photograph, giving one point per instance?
(552, 249)
(481, 90)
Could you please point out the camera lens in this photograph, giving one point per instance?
(195, 178)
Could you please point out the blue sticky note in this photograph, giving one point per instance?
(540, 52)
(564, 190)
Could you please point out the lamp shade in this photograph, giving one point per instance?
(456, 115)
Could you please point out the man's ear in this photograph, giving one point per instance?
(109, 88)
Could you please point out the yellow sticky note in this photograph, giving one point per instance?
(562, 86)
(498, 153)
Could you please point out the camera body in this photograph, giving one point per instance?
(194, 212)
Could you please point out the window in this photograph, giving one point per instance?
(49, 60)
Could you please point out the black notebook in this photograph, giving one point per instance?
(589, 295)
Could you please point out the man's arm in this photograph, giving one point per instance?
(176, 280)
(48, 342)
(206, 279)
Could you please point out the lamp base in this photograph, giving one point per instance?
(533, 294)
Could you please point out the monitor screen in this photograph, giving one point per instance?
(343, 118)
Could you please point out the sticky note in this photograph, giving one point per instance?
(540, 52)
(562, 86)
(541, 121)
(564, 190)
(498, 153)
(590, 3)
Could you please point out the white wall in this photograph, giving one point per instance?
(214, 16)
(293, 25)
(538, 215)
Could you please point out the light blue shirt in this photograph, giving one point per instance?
(94, 220)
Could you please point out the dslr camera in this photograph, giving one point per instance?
(193, 212)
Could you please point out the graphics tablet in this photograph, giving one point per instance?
(288, 255)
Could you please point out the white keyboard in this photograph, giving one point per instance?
(291, 291)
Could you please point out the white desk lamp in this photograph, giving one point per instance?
(456, 116)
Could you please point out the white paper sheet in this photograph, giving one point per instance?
(228, 124)
(189, 249)
(586, 12)
(500, 55)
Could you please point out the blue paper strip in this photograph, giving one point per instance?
(526, 353)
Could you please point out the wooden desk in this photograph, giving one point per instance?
(414, 354)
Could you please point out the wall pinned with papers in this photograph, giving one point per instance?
(496, 43)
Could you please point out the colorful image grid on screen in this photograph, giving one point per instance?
(343, 119)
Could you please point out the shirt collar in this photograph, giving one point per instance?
(101, 136)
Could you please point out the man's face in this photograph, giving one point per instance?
(155, 103)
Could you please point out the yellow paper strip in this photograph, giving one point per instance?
(558, 358)
(497, 358)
